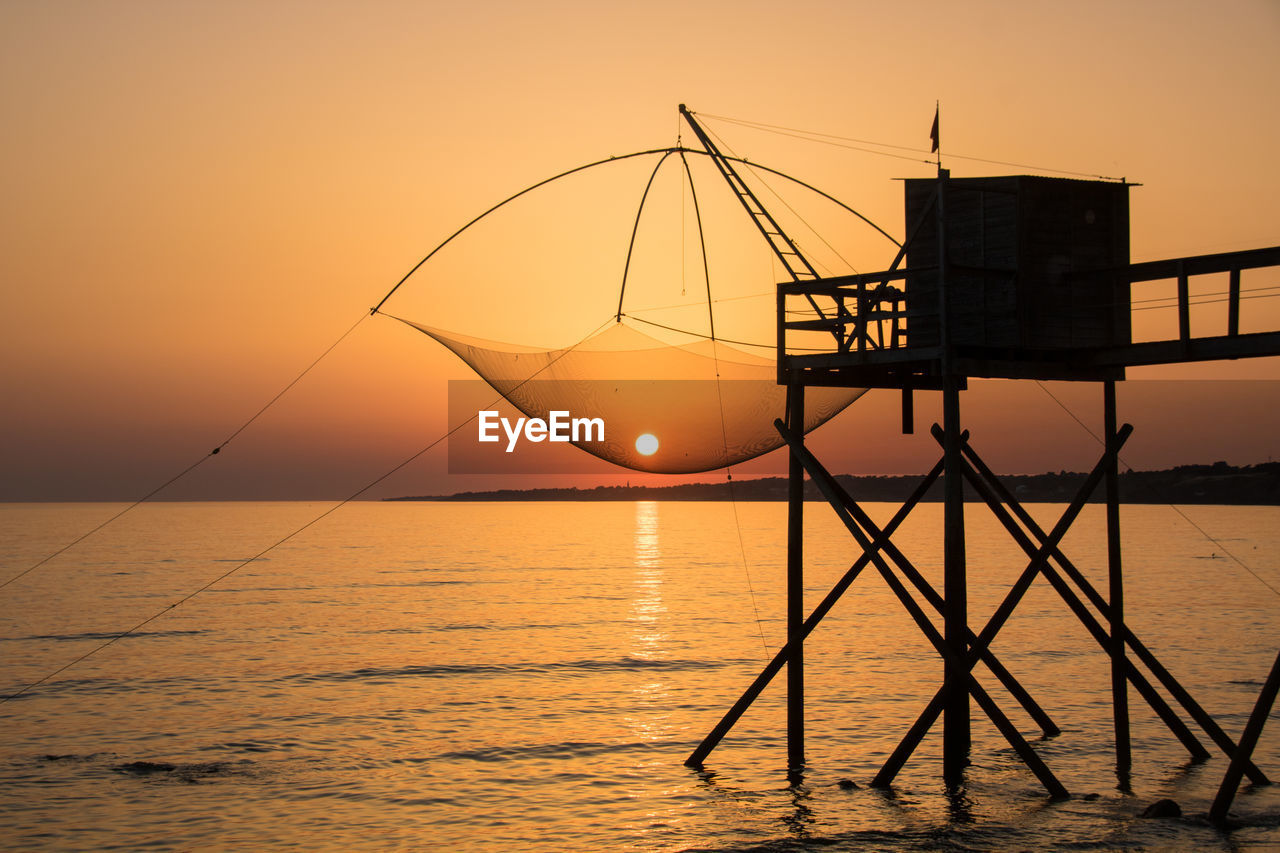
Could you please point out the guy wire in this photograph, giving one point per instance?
(1151, 489)
(724, 430)
(787, 205)
(234, 569)
(376, 309)
(842, 142)
(167, 483)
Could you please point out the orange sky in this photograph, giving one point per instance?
(199, 198)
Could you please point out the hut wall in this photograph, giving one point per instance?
(1027, 257)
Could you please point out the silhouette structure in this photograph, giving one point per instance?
(1016, 277)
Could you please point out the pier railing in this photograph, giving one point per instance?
(865, 328)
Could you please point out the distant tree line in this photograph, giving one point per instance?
(1218, 483)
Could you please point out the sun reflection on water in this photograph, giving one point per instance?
(649, 641)
(647, 606)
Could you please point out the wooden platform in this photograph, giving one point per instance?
(867, 338)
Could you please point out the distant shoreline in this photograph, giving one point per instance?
(1218, 483)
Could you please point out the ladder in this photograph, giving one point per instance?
(797, 266)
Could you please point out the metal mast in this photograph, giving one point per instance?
(797, 266)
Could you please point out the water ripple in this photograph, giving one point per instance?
(566, 749)
(107, 635)
(525, 668)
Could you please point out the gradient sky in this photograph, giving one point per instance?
(198, 198)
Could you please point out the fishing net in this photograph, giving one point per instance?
(704, 405)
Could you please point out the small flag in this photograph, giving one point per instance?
(933, 134)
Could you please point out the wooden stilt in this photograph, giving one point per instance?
(833, 492)
(795, 588)
(969, 685)
(987, 491)
(979, 649)
(1233, 303)
(717, 734)
(1179, 693)
(985, 638)
(955, 718)
(1241, 759)
(831, 487)
(1115, 575)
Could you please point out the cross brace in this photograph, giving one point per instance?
(977, 471)
(1043, 550)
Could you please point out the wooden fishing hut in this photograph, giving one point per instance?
(1016, 277)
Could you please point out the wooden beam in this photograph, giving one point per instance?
(1248, 740)
(966, 681)
(1233, 304)
(1179, 693)
(775, 666)
(1184, 305)
(996, 496)
(848, 509)
(1256, 345)
(1203, 264)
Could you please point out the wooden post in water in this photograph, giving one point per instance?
(795, 585)
(955, 715)
(1119, 675)
(1240, 759)
(955, 719)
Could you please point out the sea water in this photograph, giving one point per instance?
(532, 676)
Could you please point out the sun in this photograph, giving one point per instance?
(647, 444)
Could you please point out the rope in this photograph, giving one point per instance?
(724, 429)
(804, 222)
(697, 334)
(794, 212)
(377, 308)
(722, 340)
(717, 301)
(809, 187)
(234, 569)
(809, 138)
(1214, 298)
(733, 502)
(1151, 489)
(838, 141)
(298, 378)
(166, 484)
